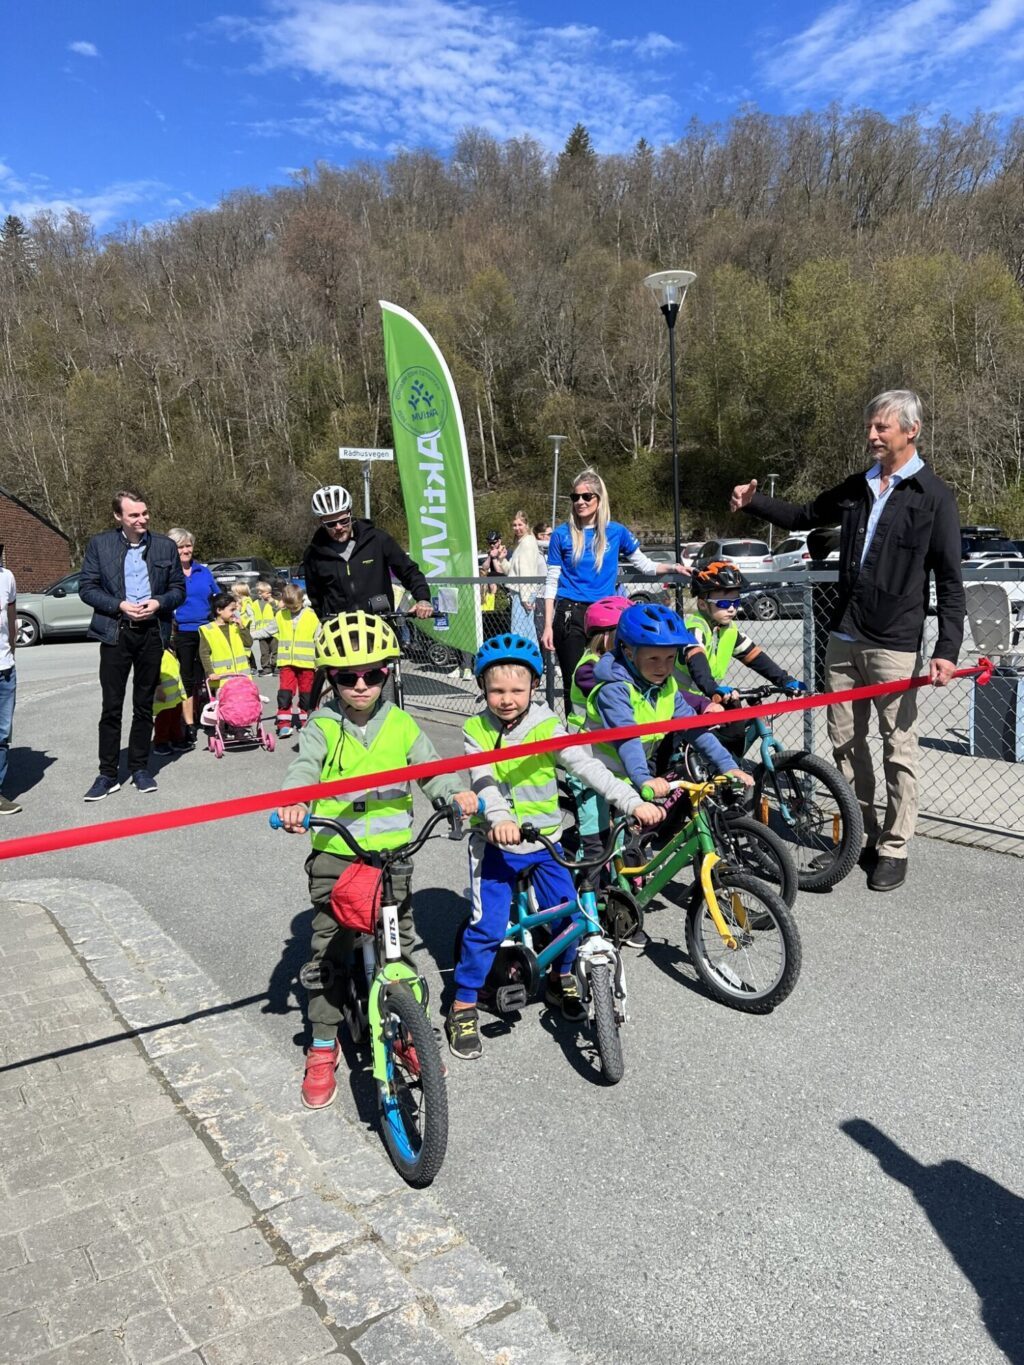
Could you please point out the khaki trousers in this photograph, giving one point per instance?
(849, 663)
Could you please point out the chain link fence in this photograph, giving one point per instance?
(971, 738)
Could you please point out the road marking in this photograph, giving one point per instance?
(53, 692)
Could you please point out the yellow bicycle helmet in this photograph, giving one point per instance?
(353, 640)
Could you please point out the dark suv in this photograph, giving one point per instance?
(244, 569)
(977, 542)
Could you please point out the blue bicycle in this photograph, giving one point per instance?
(521, 962)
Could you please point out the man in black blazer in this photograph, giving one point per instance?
(133, 581)
(899, 524)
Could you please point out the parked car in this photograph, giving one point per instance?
(1013, 586)
(751, 556)
(650, 589)
(243, 569)
(978, 541)
(56, 613)
(769, 601)
(792, 552)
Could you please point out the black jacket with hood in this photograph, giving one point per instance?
(335, 584)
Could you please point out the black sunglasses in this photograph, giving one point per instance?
(373, 677)
(584, 497)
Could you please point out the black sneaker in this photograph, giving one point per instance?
(638, 938)
(180, 746)
(103, 786)
(162, 749)
(144, 782)
(462, 1029)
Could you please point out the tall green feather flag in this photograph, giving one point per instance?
(433, 468)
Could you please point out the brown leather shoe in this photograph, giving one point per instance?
(887, 874)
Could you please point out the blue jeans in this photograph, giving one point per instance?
(8, 687)
(523, 620)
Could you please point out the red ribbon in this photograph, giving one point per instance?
(249, 805)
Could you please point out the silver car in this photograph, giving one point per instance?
(57, 613)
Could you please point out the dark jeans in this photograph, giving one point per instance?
(570, 639)
(136, 652)
(186, 648)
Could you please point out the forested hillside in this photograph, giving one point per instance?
(220, 359)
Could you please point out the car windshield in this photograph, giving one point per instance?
(738, 549)
(788, 546)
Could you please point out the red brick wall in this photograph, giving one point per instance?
(35, 554)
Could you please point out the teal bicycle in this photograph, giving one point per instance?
(406, 1064)
(521, 961)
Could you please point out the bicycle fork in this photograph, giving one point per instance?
(395, 971)
(707, 886)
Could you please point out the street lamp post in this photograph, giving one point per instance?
(772, 480)
(557, 443)
(669, 288)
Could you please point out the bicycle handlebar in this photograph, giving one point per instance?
(532, 835)
(447, 811)
(719, 780)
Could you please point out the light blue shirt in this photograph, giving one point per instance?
(136, 573)
(874, 478)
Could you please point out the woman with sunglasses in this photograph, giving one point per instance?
(583, 567)
(350, 560)
(719, 589)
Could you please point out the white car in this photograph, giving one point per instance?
(749, 556)
(792, 553)
(1014, 586)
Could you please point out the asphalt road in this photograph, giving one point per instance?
(837, 1181)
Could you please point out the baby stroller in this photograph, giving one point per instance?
(234, 716)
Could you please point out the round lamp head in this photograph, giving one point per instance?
(669, 286)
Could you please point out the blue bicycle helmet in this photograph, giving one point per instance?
(650, 623)
(508, 649)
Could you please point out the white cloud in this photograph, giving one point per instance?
(414, 72)
(651, 45)
(896, 53)
(84, 49)
(104, 206)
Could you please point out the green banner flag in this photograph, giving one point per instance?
(433, 467)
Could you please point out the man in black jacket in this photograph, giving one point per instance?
(898, 524)
(133, 582)
(349, 561)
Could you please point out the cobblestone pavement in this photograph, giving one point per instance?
(162, 1198)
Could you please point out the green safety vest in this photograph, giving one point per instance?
(260, 613)
(719, 644)
(644, 713)
(228, 653)
(296, 633)
(577, 701)
(382, 816)
(170, 690)
(529, 784)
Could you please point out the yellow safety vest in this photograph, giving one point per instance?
(381, 817)
(719, 644)
(295, 635)
(228, 653)
(529, 784)
(260, 613)
(644, 712)
(170, 690)
(577, 701)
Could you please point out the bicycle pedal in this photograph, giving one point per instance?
(316, 976)
(510, 999)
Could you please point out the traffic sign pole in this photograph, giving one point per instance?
(366, 457)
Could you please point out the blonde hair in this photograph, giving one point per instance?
(596, 484)
(240, 590)
(291, 597)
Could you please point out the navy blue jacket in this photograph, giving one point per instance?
(101, 582)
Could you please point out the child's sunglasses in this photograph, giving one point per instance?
(348, 677)
(724, 603)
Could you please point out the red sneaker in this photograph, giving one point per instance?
(318, 1084)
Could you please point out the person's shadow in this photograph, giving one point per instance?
(284, 983)
(25, 770)
(980, 1221)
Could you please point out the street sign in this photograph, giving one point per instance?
(357, 453)
(366, 457)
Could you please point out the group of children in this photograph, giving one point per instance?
(281, 629)
(644, 663)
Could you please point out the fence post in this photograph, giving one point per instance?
(810, 671)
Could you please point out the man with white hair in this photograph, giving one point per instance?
(898, 524)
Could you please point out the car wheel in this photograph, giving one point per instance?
(641, 597)
(27, 631)
(440, 656)
(765, 608)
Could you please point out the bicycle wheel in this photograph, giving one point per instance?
(762, 969)
(810, 805)
(414, 1102)
(764, 853)
(606, 1024)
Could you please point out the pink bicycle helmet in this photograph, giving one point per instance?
(604, 613)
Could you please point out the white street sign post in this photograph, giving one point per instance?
(366, 457)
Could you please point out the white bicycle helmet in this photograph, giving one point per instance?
(329, 501)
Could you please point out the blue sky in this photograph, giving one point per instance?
(143, 109)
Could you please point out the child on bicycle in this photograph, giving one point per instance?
(636, 685)
(353, 731)
(509, 669)
(297, 626)
(719, 589)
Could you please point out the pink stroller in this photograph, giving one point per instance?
(235, 713)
